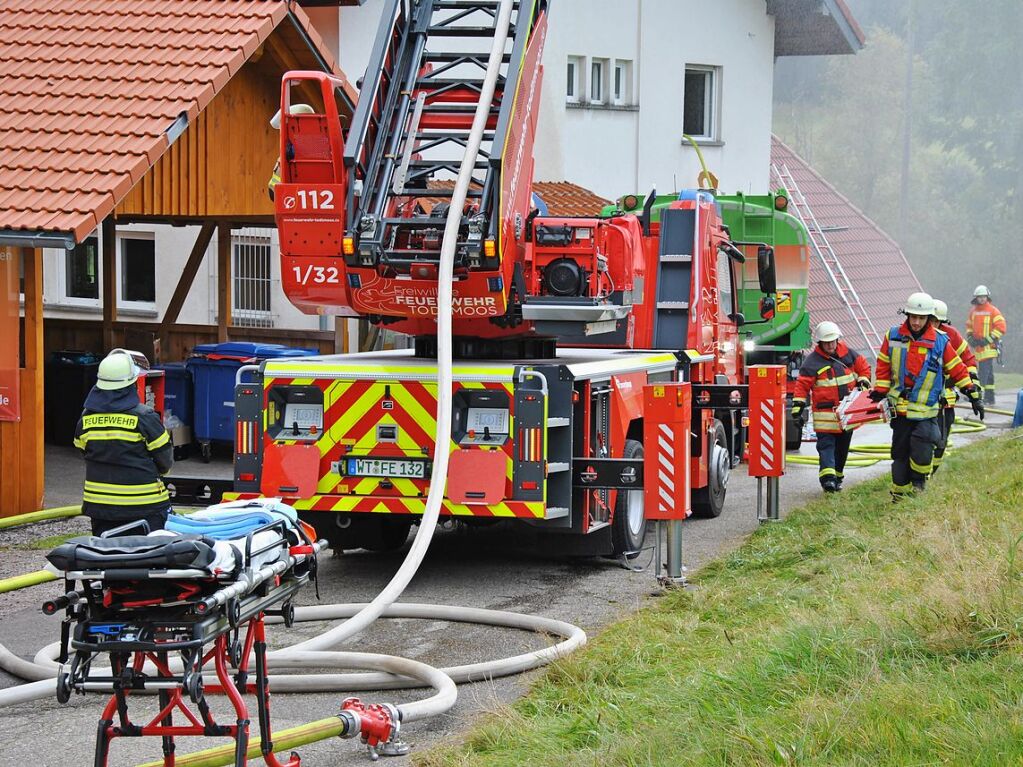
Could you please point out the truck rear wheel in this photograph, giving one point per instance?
(628, 527)
(709, 501)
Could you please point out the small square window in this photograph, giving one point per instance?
(700, 102)
(81, 270)
(138, 269)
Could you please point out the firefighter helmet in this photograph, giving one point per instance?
(295, 109)
(120, 369)
(919, 304)
(940, 311)
(827, 331)
(981, 290)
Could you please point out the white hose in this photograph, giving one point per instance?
(391, 672)
(442, 436)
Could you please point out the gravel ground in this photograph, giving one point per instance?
(481, 570)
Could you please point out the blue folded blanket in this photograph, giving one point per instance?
(226, 522)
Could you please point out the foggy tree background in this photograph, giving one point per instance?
(950, 188)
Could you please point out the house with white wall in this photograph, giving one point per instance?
(624, 81)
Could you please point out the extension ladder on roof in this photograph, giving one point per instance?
(826, 253)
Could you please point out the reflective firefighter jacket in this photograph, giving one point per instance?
(913, 371)
(126, 450)
(826, 380)
(965, 354)
(984, 327)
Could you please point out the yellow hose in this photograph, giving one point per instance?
(16, 582)
(284, 740)
(40, 516)
(875, 453)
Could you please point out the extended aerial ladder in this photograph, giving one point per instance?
(829, 258)
(386, 192)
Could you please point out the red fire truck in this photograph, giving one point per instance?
(559, 323)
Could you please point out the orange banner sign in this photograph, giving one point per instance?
(9, 334)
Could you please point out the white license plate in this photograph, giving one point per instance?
(384, 467)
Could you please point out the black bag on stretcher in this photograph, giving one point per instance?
(164, 605)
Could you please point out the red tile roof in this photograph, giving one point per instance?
(561, 197)
(567, 199)
(873, 261)
(90, 88)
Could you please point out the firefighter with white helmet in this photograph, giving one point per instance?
(126, 449)
(985, 327)
(275, 123)
(913, 364)
(827, 375)
(947, 415)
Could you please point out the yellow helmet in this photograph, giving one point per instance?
(120, 369)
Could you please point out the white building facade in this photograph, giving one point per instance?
(624, 82)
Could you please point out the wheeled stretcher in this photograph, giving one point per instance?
(164, 606)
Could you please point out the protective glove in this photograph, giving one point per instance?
(876, 395)
(975, 377)
(798, 410)
(978, 408)
(863, 384)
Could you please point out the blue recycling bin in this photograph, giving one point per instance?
(178, 391)
(213, 371)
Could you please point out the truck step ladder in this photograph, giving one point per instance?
(826, 253)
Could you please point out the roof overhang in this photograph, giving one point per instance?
(814, 28)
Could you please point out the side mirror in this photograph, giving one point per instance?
(765, 270)
(738, 318)
(767, 307)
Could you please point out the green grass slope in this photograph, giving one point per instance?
(857, 632)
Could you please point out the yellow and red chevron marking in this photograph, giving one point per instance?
(353, 410)
(392, 505)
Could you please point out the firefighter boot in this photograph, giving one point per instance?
(830, 484)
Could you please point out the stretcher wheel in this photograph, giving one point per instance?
(234, 654)
(234, 613)
(63, 687)
(288, 614)
(193, 684)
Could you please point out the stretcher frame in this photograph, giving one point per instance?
(225, 627)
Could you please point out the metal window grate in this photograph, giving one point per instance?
(252, 279)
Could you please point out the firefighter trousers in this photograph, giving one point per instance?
(986, 372)
(833, 450)
(913, 444)
(946, 418)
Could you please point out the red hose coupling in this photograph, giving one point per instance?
(377, 722)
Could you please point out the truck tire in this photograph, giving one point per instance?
(709, 501)
(628, 527)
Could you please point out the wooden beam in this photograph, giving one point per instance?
(109, 281)
(202, 242)
(31, 474)
(340, 339)
(223, 280)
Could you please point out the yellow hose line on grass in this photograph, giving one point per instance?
(16, 582)
(283, 741)
(40, 516)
